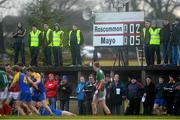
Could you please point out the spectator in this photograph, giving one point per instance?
(47, 44)
(75, 41)
(165, 40)
(19, 44)
(89, 92)
(149, 94)
(65, 91)
(177, 98)
(80, 96)
(108, 84)
(170, 94)
(35, 38)
(51, 90)
(146, 38)
(118, 91)
(176, 42)
(134, 95)
(159, 101)
(154, 43)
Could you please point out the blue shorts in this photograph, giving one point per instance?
(55, 111)
(160, 102)
(37, 97)
(25, 97)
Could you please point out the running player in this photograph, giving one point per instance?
(24, 98)
(100, 93)
(38, 95)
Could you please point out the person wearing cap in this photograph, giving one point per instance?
(51, 87)
(58, 37)
(134, 94)
(35, 38)
(176, 42)
(47, 38)
(65, 91)
(75, 41)
(100, 93)
(154, 43)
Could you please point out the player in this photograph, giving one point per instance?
(38, 95)
(100, 93)
(24, 97)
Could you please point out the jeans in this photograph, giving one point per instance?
(176, 54)
(52, 102)
(81, 107)
(147, 54)
(167, 53)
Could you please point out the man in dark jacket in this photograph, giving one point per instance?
(118, 92)
(75, 41)
(165, 40)
(177, 98)
(134, 95)
(89, 92)
(176, 42)
(65, 91)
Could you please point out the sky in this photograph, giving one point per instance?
(18, 5)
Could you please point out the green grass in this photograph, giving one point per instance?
(91, 118)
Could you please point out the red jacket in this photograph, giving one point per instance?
(51, 87)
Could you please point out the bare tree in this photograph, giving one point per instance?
(163, 8)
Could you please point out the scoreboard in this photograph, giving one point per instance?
(118, 29)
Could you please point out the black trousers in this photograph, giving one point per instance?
(64, 105)
(148, 108)
(147, 54)
(57, 54)
(88, 106)
(177, 105)
(34, 51)
(116, 109)
(47, 55)
(134, 106)
(155, 49)
(76, 55)
(17, 49)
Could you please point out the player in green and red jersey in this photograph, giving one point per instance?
(100, 93)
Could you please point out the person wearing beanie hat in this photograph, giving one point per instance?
(64, 92)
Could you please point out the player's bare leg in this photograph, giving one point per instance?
(47, 107)
(18, 107)
(104, 106)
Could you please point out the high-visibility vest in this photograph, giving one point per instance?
(47, 36)
(78, 32)
(35, 38)
(155, 36)
(57, 38)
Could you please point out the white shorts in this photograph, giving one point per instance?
(100, 96)
(14, 95)
(4, 94)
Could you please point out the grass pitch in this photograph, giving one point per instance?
(91, 118)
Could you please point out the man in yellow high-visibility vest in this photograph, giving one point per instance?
(35, 38)
(58, 36)
(47, 44)
(75, 41)
(155, 43)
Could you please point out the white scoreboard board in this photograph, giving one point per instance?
(118, 29)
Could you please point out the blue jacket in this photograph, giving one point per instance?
(80, 92)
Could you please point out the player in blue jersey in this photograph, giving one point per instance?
(24, 98)
(40, 94)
